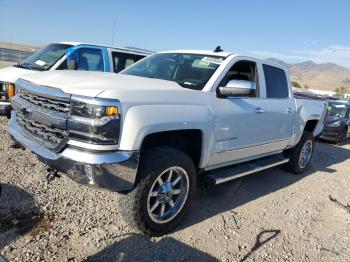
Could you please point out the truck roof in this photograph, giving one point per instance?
(201, 52)
(224, 54)
(112, 47)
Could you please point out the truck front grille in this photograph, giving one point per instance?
(55, 105)
(51, 137)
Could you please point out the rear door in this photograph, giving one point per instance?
(281, 112)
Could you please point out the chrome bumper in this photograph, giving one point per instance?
(115, 171)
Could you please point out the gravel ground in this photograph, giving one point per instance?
(267, 216)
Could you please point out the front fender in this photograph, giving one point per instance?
(142, 120)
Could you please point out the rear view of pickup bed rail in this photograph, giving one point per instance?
(153, 130)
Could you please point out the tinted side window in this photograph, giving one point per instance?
(137, 58)
(129, 61)
(243, 71)
(123, 60)
(90, 59)
(276, 82)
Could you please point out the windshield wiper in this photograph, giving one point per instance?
(19, 65)
(30, 66)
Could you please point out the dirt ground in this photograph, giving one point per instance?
(268, 216)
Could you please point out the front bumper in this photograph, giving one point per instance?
(5, 108)
(115, 170)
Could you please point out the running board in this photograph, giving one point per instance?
(237, 171)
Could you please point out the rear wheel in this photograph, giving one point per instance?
(300, 156)
(166, 186)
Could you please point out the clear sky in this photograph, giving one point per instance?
(294, 31)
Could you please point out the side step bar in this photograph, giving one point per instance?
(237, 171)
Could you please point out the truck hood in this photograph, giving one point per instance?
(11, 74)
(94, 83)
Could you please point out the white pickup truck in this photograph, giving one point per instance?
(66, 56)
(151, 131)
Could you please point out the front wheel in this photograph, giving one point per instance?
(166, 186)
(300, 156)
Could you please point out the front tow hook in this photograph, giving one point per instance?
(16, 145)
(51, 175)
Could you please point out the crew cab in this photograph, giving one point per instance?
(64, 56)
(170, 119)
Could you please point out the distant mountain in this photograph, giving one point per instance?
(327, 76)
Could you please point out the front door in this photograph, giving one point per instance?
(240, 128)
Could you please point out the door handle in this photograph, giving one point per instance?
(289, 110)
(259, 110)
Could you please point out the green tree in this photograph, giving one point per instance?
(296, 84)
(306, 87)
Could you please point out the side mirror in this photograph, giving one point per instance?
(71, 65)
(238, 87)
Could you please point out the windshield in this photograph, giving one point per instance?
(45, 58)
(337, 110)
(188, 70)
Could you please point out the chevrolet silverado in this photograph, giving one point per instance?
(153, 130)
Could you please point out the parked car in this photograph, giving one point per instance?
(63, 56)
(336, 128)
(151, 131)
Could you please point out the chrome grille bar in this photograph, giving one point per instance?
(47, 135)
(44, 102)
(41, 113)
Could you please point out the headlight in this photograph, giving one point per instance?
(93, 111)
(9, 89)
(335, 124)
(97, 123)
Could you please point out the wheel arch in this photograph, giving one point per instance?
(310, 125)
(190, 141)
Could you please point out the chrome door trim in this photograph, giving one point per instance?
(247, 147)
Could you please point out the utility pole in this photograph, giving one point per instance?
(10, 58)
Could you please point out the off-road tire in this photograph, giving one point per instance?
(133, 206)
(293, 154)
